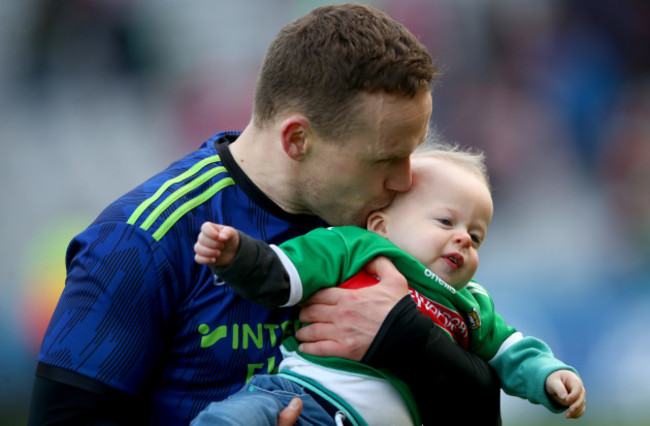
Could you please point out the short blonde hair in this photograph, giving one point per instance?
(472, 159)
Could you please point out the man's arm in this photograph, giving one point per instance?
(68, 388)
(93, 403)
(448, 382)
(54, 402)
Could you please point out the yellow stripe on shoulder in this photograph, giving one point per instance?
(189, 172)
(170, 199)
(189, 205)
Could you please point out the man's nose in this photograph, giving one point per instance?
(400, 179)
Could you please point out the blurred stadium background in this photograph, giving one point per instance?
(96, 95)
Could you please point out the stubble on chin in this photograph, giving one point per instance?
(348, 217)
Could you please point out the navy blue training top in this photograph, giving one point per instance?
(138, 314)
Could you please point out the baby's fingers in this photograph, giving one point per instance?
(575, 411)
(225, 234)
(558, 391)
(210, 230)
(577, 400)
(205, 255)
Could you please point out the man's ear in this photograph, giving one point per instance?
(294, 132)
(377, 223)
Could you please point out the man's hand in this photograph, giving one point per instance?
(216, 244)
(289, 415)
(344, 322)
(567, 389)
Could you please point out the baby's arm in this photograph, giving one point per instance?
(251, 267)
(216, 245)
(566, 388)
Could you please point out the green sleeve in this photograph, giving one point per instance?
(523, 366)
(287, 274)
(522, 363)
(326, 257)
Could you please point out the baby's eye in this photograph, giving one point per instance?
(476, 238)
(445, 222)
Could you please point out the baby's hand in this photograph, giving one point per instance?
(216, 244)
(565, 387)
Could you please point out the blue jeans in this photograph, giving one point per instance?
(259, 402)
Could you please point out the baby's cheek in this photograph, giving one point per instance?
(473, 264)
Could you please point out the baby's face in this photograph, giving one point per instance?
(442, 220)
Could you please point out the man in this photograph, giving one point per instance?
(341, 102)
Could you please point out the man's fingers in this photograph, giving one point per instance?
(375, 265)
(379, 265)
(326, 296)
(388, 274)
(323, 348)
(316, 313)
(324, 339)
(316, 331)
(289, 415)
(343, 322)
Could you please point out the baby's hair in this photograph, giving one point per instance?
(470, 158)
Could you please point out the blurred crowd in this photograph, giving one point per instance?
(556, 92)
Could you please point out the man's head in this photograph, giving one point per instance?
(319, 64)
(443, 219)
(347, 89)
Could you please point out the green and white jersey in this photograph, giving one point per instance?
(327, 257)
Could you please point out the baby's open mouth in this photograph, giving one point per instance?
(455, 259)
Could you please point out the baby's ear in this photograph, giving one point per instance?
(377, 223)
